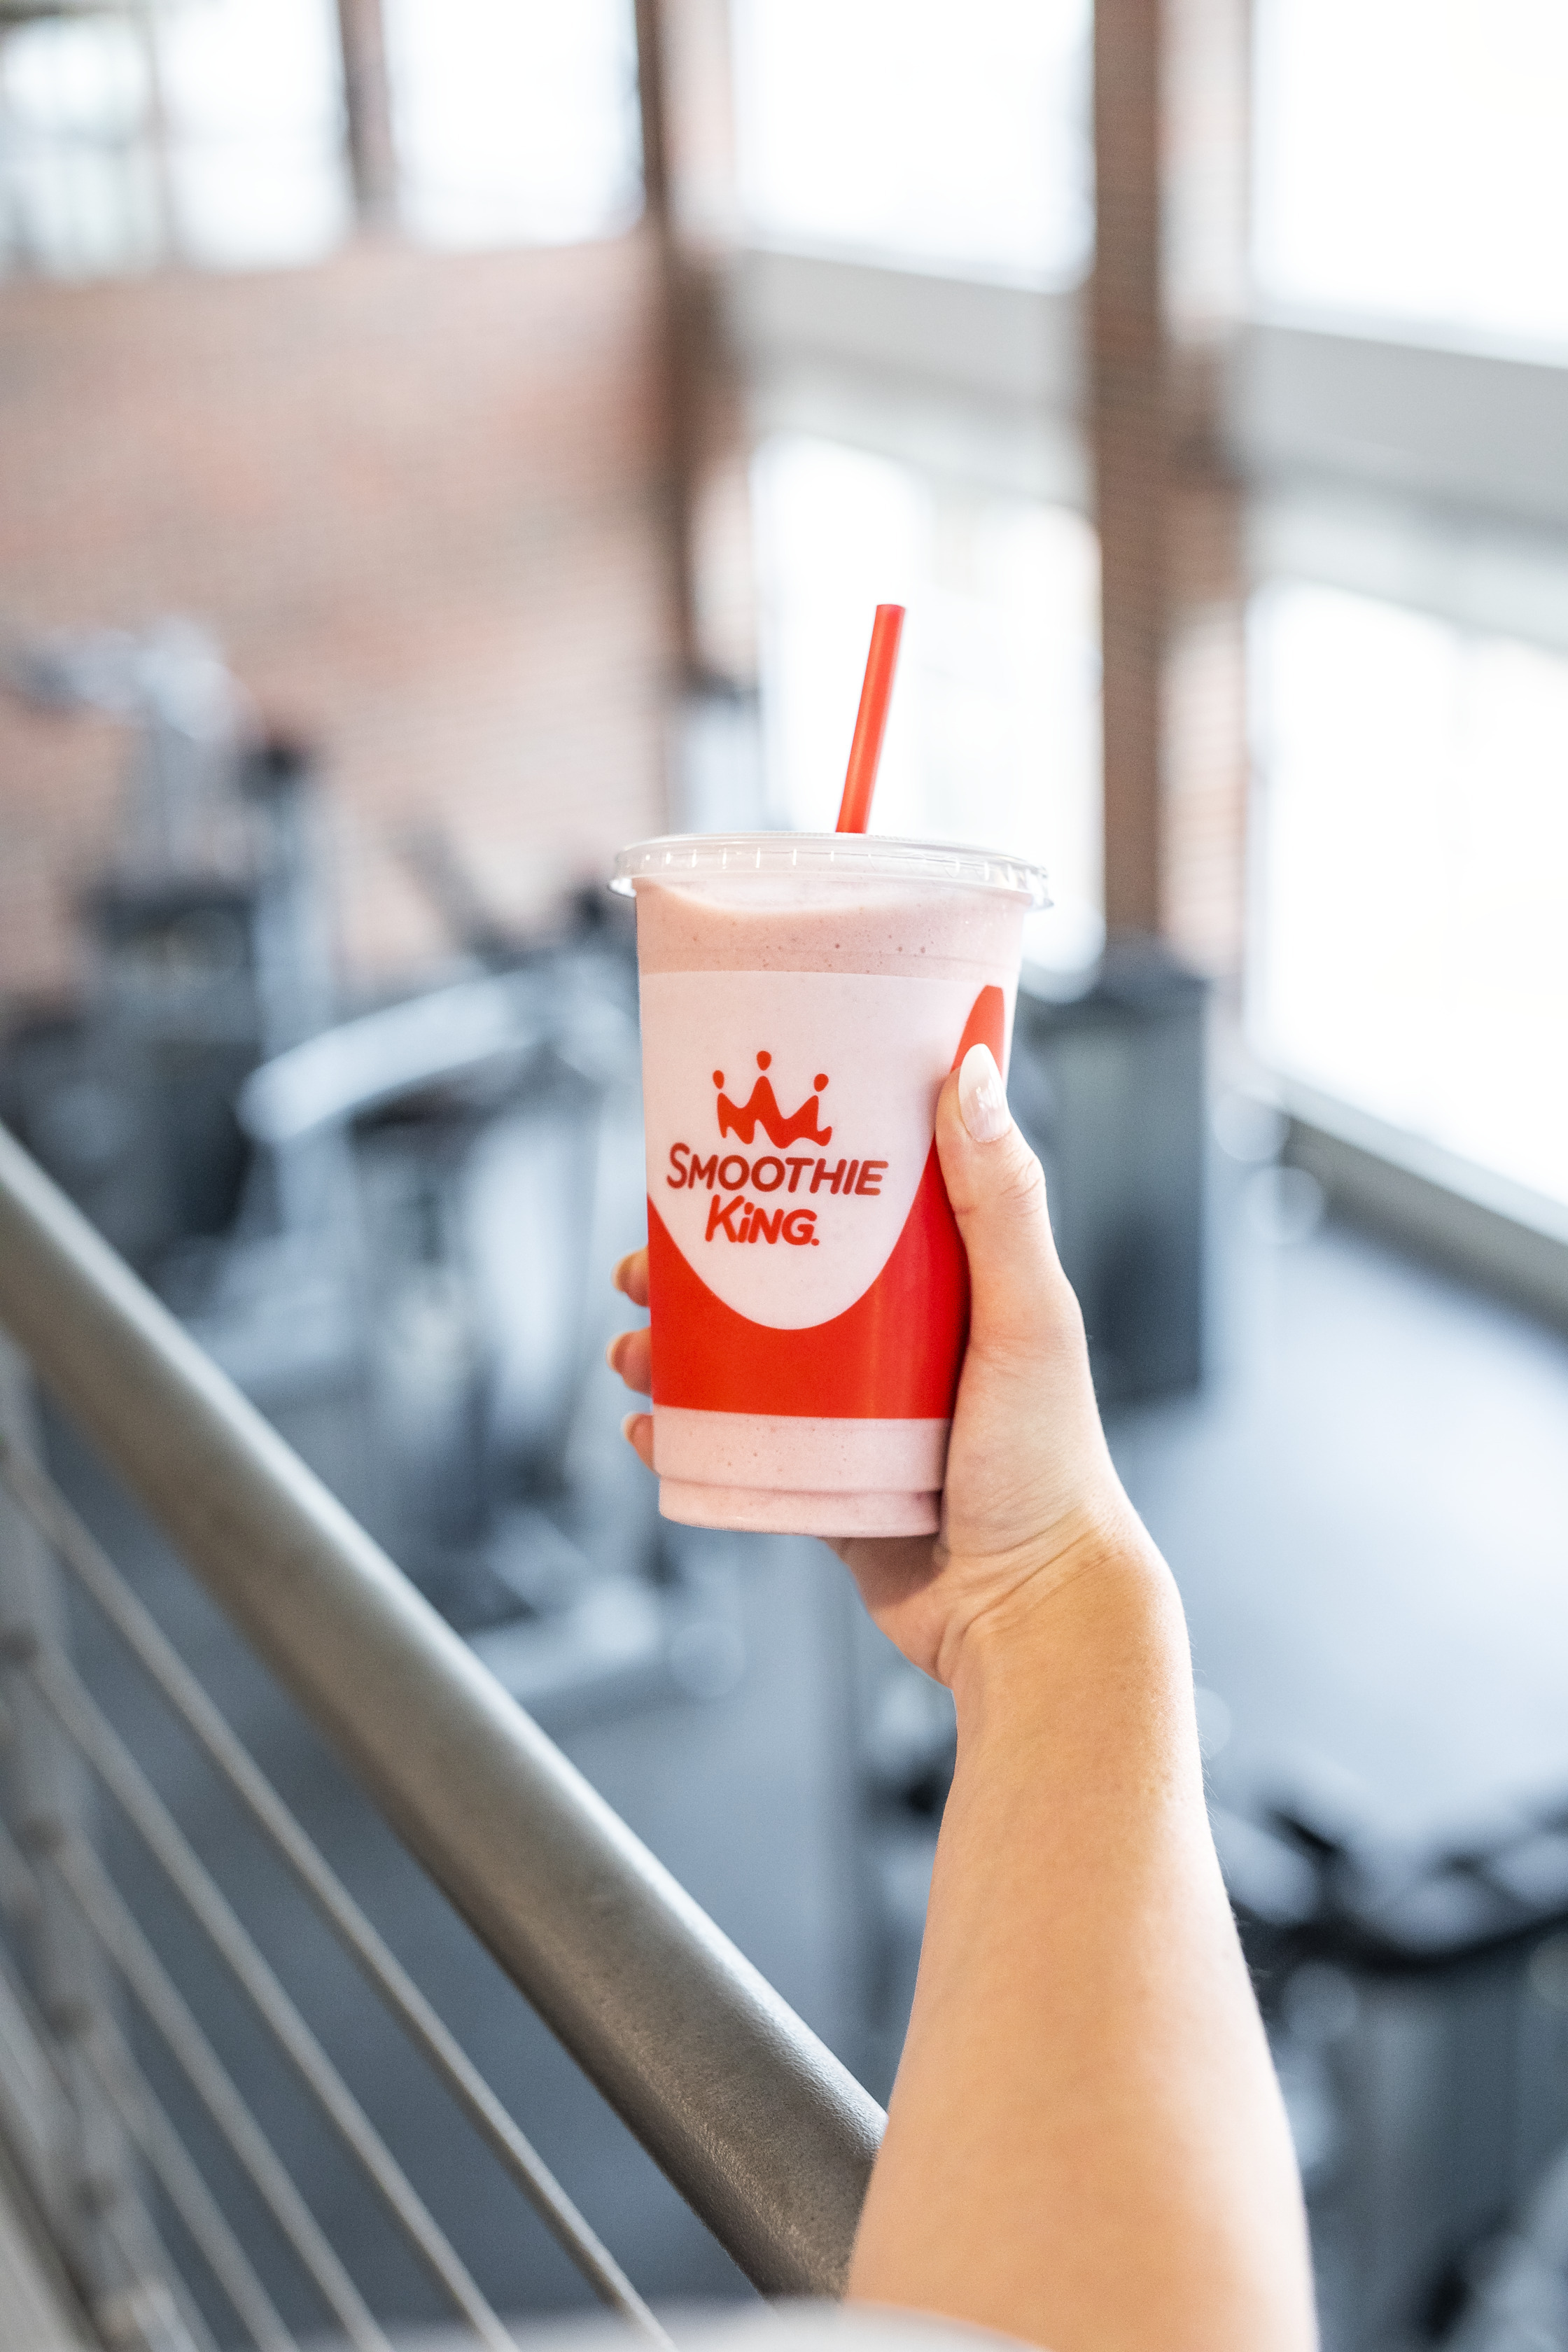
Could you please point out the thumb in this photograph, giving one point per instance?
(1020, 1298)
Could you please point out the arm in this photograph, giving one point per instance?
(1086, 2146)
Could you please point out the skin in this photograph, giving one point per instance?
(1086, 2145)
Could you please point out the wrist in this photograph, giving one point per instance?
(1106, 1592)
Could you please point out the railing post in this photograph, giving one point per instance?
(83, 2168)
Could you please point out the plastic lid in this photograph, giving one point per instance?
(847, 856)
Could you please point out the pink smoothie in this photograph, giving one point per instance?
(796, 1031)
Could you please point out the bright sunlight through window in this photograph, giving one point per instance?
(1412, 162)
(1412, 954)
(207, 134)
(516, 121)
(913, 131)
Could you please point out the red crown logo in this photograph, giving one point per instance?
(744, 1119)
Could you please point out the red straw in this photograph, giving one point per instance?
(872, 724)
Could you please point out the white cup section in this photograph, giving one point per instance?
(773, 1510)
(797, 1453)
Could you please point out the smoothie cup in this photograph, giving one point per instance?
(804, 996)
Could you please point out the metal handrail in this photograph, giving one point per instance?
(756, 2123)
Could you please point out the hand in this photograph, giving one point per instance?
(1031, 1499)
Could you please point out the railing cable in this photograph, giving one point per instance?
(35, 1493)
(28, 2009)
(106, 1912)
(133, 2099)
(82, 1720)
(162, 2314)
(18, 1886)
(147, 2122)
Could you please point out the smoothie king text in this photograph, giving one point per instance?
(741, 1219)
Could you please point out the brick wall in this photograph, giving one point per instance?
(417, 495)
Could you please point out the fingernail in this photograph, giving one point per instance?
(612, 1348)
(982, 1101)
(618, 1279)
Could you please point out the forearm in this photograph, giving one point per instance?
(1086, 2146)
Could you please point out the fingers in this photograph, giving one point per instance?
(630, 1353)
(637, 1430)
(1020, 1298)
(631, 1276)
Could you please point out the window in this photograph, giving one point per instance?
(1412, 162)
(994, 732)
(516, 121)
(212, 130)
(1412, 954)
(81, 191)
(912, 129)
(208, 132)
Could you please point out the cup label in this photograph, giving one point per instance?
(788, 1123)
(789, 1119)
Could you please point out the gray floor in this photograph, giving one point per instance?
(1367, 1510)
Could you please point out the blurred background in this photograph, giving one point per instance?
(442, 440)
